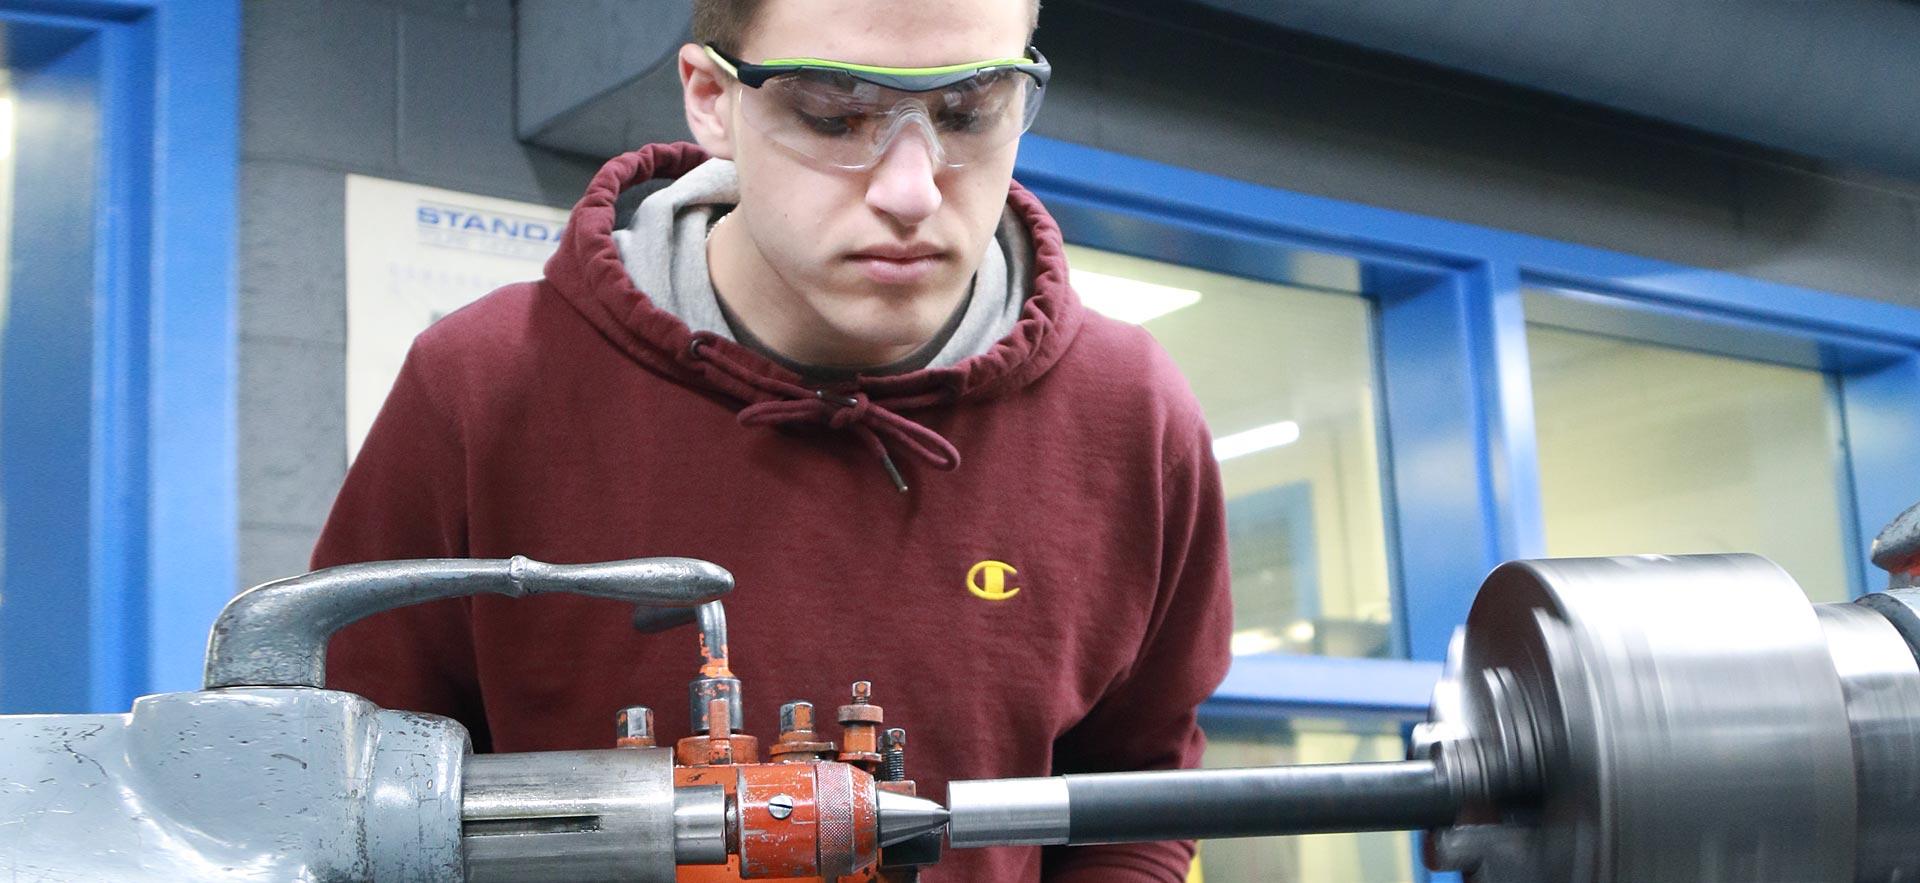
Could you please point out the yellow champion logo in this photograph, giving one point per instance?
(988, 580)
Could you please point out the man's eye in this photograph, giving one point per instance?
(970, 112)
(962, 121)
(828, 125)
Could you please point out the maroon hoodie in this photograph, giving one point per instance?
(570, 420)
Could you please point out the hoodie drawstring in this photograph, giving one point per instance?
(873, 423)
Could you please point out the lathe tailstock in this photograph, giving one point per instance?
(265, 776)
(1606, 720)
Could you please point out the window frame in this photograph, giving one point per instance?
(1460, 471)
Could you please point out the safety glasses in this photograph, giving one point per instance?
(847, 116)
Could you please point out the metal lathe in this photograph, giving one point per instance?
(1602, 720)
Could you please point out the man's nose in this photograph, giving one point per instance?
(904, 184)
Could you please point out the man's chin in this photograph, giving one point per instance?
(892, 344)
(888, 320)
(886, 341)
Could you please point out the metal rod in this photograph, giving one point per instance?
(1201, 804)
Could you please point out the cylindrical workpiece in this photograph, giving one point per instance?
(1195, 804)
(1008, 812)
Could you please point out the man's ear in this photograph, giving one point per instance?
(703, 88)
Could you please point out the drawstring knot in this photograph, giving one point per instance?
(849, 409)
(874, 423)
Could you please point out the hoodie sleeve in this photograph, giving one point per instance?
(1149, 721)
(405, 497)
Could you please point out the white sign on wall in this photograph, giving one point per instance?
(415, 254)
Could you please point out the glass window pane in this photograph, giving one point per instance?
(50, 147)
(1285, 376)
(1360, 858)
(1650, 449)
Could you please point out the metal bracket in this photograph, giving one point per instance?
(275, 634)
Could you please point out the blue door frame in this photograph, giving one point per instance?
(136, 572)
(1461, 472)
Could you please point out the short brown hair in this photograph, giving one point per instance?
(725, 23)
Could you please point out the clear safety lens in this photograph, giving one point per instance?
(848, 123)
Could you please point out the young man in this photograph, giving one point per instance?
(842, 360)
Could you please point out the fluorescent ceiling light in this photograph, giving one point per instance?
(1259, 438)
(1248, 642)
(6, 126)
(1129, 300)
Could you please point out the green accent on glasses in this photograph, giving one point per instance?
(905, 79)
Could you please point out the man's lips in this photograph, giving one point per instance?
(898, 265)
(899, 253)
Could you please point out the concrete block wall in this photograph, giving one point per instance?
(414, 90)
